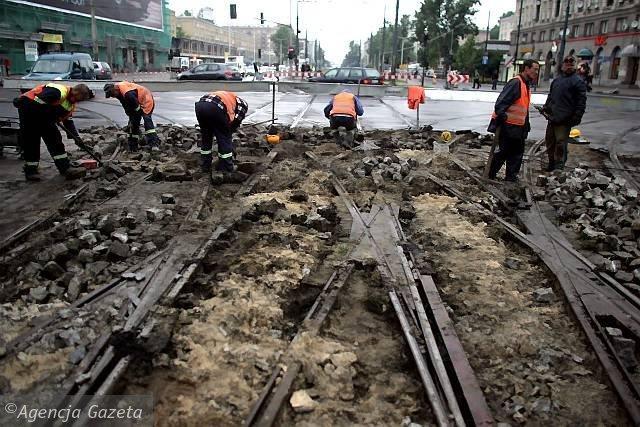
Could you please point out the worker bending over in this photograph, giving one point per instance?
(39, 109)
(219, 113)
(342, 111)
(138, 103)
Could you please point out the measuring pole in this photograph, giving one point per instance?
(273, 103)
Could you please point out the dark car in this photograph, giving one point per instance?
(62, 66)
(211, 72)
(366, 76)
(102, 70)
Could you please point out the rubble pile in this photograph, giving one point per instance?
(87, 251)
(604, 211)
(382, 168)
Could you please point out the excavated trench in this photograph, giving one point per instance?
(218, 342)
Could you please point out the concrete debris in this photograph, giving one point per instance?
(613, 332)
(155, 214)
(626, 350)
(78, 355)
(543, 295)
(168, 199)
(379, 168)
(121, 237)
(118, 250)
(52, 271)
(301, 402)
(603, 211)
(39, 294)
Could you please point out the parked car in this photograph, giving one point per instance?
(366, 76)
(102, 70)
(62, 66)
(211, 72)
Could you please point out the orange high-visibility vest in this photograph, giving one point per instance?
(230, 101)
(517, 112)
(145, 97)
(344, 103)
(64, 102)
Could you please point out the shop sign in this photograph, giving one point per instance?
(601, 40)
(52, 38)
(31, 51)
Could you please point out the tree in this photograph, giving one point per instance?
(468, 57)
(282, 37)
(186, 13)
(405, 26)
(494, 34)
(352, 58)
(180, 34)
(440, 18)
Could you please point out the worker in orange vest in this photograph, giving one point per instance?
(342, 111)
(138, 103)
(510, 122)
(39, 109)
(219, 113)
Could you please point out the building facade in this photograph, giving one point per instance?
(133, 37)
(604, 33)
(202, 39)
(507, 25)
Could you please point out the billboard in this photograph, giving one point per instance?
(141, 13)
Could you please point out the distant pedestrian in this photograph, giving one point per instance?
(564, 108)
(510, 122)
(584, 72)
(476, 79)
(494, 80)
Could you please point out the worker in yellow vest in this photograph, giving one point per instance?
(138, 103)
(39, 109)
(342, 111)
(510, 121)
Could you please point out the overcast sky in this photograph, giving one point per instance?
(333, 22)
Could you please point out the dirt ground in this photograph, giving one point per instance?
(233, 324)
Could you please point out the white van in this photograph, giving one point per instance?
(238, 62)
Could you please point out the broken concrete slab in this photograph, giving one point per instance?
(543, 295)
(301, 402)
(52, 271)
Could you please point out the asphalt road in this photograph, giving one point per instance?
(600, 124)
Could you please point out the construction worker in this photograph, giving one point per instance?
(219, 113)
(342, 111)
(39, 110)
(138, 103)
(510, 121)
(563, 109)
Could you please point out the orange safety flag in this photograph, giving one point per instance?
(415, 97)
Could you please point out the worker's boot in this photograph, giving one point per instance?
(133, 145)
(153, 144)
(31, 173)
(74, 172)
(349, 138)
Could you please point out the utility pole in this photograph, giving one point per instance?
(395, 40)
(315, 54)
(515, 55)
(370, 64)
(306, 43)
(450, 65)
(563, 42)
(360, 54)
(94, 33)
(384, 27)
(296, 51)
(425, 55)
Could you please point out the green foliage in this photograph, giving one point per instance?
(186, 13)
(284, 37)
(405, 25)
(180, 34)
(352, 58)
(439, 18)
(507, 14)
(494, 34)
(468, 57)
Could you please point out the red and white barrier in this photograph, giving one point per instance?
(455, 78)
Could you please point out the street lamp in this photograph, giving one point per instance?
(564, 37)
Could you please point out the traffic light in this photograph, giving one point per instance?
(261, 18)
(232, 11)
(291, 53)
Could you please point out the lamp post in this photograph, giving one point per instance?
(563, 41)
